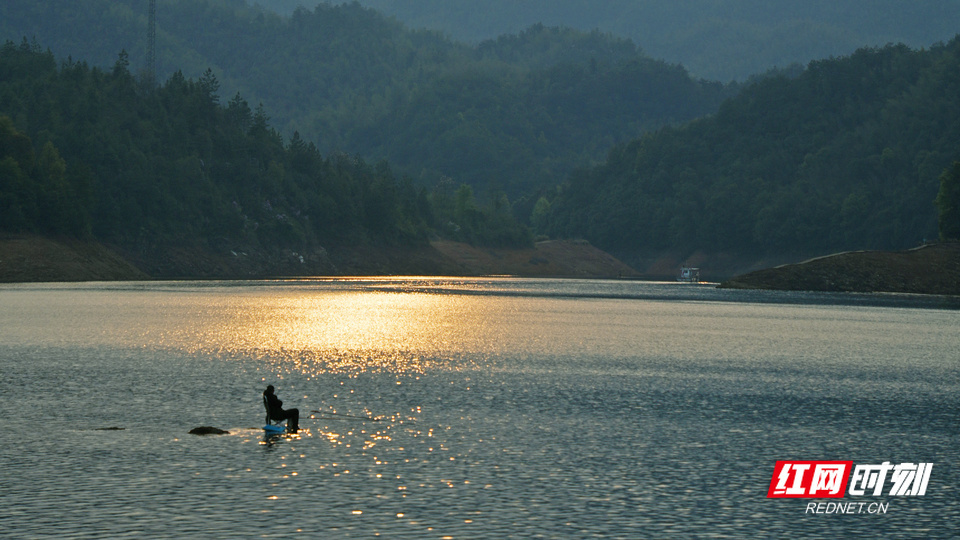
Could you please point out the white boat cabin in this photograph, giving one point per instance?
(689, 274)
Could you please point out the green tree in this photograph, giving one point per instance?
(15, 144)
(17, 196)
(541, 212)
(16, 201)
(948, 203)
(58, 211)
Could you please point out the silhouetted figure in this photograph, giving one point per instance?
(275, 409)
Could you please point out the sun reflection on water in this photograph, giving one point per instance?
(342, 331)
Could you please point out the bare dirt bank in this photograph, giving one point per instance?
(35, 258)
(552, 258)
(25, 258)
(931, 269)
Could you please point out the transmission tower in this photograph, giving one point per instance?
(152, 41)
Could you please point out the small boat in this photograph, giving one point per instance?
(689, 274)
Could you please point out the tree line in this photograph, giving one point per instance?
(463, 142)
(846, 154)
(514, 114)
(106, 154)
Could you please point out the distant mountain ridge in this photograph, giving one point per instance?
(514, 115)
(714, 39)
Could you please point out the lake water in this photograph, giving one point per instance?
(505, 408)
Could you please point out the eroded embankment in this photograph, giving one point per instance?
(930, 269)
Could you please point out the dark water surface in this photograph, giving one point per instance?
(506, 408)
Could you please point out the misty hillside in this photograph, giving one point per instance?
(515, 114)
(714, 39)
(846, 155)
(172, 174)
(843, 154)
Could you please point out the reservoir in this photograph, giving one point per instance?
(468, 408)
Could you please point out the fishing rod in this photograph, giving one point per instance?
(348, 415)
(339, 418)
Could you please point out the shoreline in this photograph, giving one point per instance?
(932, 269)
(37, 259)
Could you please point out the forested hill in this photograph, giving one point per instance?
(846, 155)
(514, 114)
(714, 39)
(173, 169)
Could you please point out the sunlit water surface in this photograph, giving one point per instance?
(504, 408)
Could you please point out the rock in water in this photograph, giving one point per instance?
(207, 430)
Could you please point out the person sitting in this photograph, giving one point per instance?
(276, 412)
